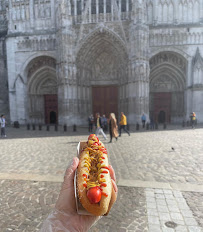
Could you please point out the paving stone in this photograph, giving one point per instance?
(181, 229)
(165, 217)
(152, 212)
(190, 221)
(162, 209)
(195, 202)
(195, 229)
(154, 228)
(167, 229)
(176, 216)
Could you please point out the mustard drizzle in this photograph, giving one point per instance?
(94, 155)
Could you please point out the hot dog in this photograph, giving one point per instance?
(94, 184)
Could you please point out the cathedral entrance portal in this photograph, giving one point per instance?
(105, 100)
(167, 84)
(42, 90)
(51, 108)
(102, 63)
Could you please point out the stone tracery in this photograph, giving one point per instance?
(96, 47)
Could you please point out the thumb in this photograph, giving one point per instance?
(66, 201)
(70, 172)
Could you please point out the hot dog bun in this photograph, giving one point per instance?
(94, 186)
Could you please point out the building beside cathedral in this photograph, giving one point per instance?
(61, 60)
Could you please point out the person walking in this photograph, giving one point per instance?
(193, 119)
(113, 127)
(3, 125)
(143, 118)
(123, 124)
(191, 115)
(90, 122)
(99, 126)
(151, 123)
(104, 123)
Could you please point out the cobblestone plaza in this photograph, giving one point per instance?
(160, 189)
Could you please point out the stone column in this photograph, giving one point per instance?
(176, 12)
(104, 10)
(10, 47)
(66, 69)
(201, 11)
(32, 14)
(188, 92)
(53, 13)
(155, 5)
(138, 81)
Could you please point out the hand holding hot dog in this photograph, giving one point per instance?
(65, 217)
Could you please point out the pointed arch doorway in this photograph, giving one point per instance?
(42, 90)
(102, 63)
(51, 108)
(167, 86)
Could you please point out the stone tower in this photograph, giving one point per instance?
(138, 62)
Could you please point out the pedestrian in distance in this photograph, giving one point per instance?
(193, 119)
(99, 129)
(3, 125)
(104, 123)
(90, 122)
(191, 115)
(113, 127)
(143, 118)
(151, 123)
(123, 124)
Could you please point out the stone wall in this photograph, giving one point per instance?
(4, 103)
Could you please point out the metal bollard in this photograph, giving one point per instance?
(28, 126)
(33, 126)
(74, 128)
(47, 127)
(40, 127)
(156, 126)
(16, 124)
(183, 124)
(65, 128)
(164, 126)
(137, 126)
(56, 127)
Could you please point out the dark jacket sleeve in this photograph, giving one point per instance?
(100, 123)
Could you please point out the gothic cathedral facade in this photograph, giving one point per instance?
(61, 60)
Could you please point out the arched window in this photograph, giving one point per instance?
(101, 6)
(79, 7)
(108, 6)
(123, 6)
(72, 7)
(130, 5)
(93, 6)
